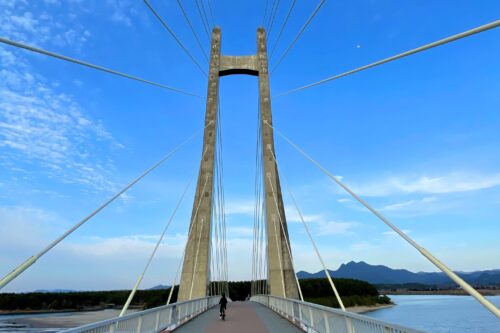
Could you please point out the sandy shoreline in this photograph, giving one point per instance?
(365, 309)
(68, 320)
(455, 292)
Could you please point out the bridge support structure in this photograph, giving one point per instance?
(196, 266)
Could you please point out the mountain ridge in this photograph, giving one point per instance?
(380, 274)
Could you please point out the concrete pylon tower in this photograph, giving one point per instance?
(195, 271)
(196, 267)
(281, 275)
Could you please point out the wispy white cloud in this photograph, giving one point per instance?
(293, 216)
(233, 232)
(125, 12)
(40, 124)
(361, 246)
(393, 233)
(31, 23)
(419, 207)
(327, 228)
(240, 207)
(446, 183)
(408, 204)
(130, 246)
(116, 260)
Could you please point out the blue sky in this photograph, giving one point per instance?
(418, 138)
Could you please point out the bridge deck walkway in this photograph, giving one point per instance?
(241, 317)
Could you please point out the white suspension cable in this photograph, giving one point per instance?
(273, 18)
(180, 264)
(202, 20)
(190, 229)
(178, 270)
(185, 246)
(214, 244)
(196, 258)
(265, 13)
(86, 64)
(282, 28)
(337, 295)
(141, 276)
(271, 14)
(316, 10)
(174, 36)
(265, 261)
(285, 236)
(193, 222)
(192, 30)
(30, 261)
(279, 256)
(175, 281)
(211, 11)
(256, 233)
(467, 33)
(458, 280)
(222, 228)
(263, 257)
(205, 14)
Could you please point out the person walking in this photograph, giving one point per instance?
(223, 304)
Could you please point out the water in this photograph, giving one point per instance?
(8, 323)
(429, 313)
(52, 322)
(441, 314)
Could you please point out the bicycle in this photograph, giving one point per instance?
(223, 313)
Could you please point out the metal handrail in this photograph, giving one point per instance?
(150, 320)
(322, 319)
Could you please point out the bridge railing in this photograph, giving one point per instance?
(322, 319)
(151, 320)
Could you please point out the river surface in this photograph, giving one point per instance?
(440, 314)
(429, 313)
(52, 322)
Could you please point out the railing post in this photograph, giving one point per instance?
(170, 316)
(327, 322)
(157, 325)
(350, 328)
(139, 325)
(311, 317)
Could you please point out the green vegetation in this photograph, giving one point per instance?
(82, 300)
(353, 292)
(239, 291)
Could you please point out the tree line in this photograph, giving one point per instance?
(353, 292)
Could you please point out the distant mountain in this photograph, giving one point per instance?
(159, 287)
(54, 291)
(379, 274)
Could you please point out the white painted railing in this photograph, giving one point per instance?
(151, 320)
(315, 318)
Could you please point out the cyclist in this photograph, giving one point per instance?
(223, 304)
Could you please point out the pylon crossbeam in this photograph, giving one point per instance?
(281, 275)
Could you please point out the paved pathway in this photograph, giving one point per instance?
(241, 317)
